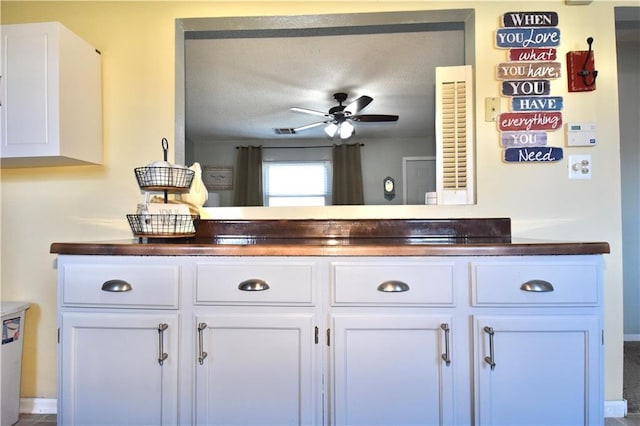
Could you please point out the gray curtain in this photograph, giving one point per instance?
(248, 182)
(347, 175)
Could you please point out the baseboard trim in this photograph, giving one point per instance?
(632, 337)
(615, 408)
(38, 405)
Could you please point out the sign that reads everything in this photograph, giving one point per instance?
(527, 70)
(540, 154)
(527, 121)
(530, 19)
(527, 37)
(536, 103)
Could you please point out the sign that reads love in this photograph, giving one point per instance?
(527, 121)
(534, 54)
(527, 37)
(527, 70)
(525, 88)
(536, 103)
(523, 139)
(540, 154)
(530, 19)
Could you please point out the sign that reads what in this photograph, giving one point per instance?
(542, 54)
(527, 70)
(540, 154)
(530, 19)
(526, 87)
(527, 121)
(527, 37)
(536, 103)
(523, 139)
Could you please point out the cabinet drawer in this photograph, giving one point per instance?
(535, 283)
(275, 282)
(93, 285)
(399, 283)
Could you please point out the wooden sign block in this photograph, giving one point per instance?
(526, 87)
(541, 54)
(536, 103)
(523, 139)
(546, 154)
(527, 70)
(527, 121)
(527, 37)
(530, 19)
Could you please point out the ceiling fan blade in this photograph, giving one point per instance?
(373, 118)
(358, 105)
(310, 111)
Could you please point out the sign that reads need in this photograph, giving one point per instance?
(539, 154)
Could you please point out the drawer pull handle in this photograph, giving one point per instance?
(253, 284)
(201, 353)
(162, 356)
(116, 286)
(445, 356)
(393, 286)
(537, 286)
(491, 358)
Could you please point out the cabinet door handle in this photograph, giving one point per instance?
(445, 356)
(490, 359)
(253, 284)
(162, 356)
(201, 353)
(393, 286)
(116, 286)
(537, 286)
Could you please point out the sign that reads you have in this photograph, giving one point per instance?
(531, 39)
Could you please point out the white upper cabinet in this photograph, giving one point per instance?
(51, 97)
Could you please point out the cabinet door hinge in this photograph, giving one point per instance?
(602, 336)
(58, 335)
(328, 337)
(317, 335)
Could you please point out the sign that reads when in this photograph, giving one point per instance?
(526, 87)
(527, 121)
(536, 103)
(542, 54)
(527, 37)
(539, 154)
(530, 19)
(527, 70)
(523, 139)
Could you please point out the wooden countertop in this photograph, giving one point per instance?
(413, 237)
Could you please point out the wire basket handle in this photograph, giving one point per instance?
(165, 148)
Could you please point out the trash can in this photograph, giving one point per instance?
(11, 358)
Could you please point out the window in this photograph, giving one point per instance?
(295, 183)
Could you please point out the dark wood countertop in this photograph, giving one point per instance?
(422, 237)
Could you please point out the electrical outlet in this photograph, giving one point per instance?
(580, 167)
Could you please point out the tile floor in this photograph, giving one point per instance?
(50, 420)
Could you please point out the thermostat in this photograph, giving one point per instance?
(581, 134)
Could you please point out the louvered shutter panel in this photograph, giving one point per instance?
(455, 172)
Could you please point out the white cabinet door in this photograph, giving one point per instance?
(259, 369)
(546, 370)
(390, 369)
(110, 369)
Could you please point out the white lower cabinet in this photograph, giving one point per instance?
(277, 340)
(392, 370)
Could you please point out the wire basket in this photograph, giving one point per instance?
(178, 179)
(163, 225)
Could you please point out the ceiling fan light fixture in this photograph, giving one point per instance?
(346, 130)
(331, 129)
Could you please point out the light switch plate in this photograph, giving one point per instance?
(491, 109)
(580, 167)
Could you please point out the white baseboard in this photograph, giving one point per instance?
(39, 405)
(615, 408)
(632, 337)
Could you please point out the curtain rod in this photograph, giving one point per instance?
(296, 147)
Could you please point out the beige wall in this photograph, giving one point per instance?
(43, 205)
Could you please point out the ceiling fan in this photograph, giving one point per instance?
(338, 119)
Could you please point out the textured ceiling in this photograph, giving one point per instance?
(242, 88)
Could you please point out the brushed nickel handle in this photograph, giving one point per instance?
(537, 286)
(490, 359)
(162, 356)
(253, 284)
(116, 286)
(393, 286)
(445, 356)
(201, 353)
